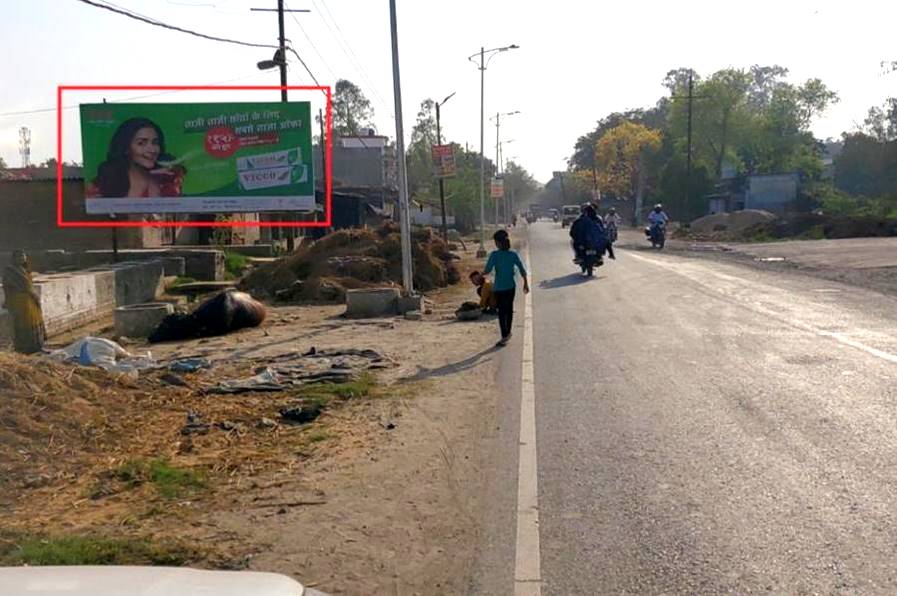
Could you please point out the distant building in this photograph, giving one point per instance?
(28, 210)
(776, 193)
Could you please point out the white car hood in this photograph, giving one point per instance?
(142, 581)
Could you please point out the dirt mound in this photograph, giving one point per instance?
(750, 226)
(353, 259)
(732, 223)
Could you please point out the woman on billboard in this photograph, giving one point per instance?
(136, 164)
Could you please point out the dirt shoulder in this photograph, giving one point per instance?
(864, 262)
(380, 494)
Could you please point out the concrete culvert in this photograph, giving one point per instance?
(140, 320)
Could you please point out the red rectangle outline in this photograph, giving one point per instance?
(328, 173)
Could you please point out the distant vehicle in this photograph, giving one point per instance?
(569, 213)
(554, 215)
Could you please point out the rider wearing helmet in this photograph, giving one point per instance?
(658, 215)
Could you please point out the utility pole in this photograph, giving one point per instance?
(407, 273)
(280, 57)
(497, 161)
(481, 252)
(323, 161)
(691, 98)
(441, 178)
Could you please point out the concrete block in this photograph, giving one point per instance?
(372, 303)
(140, 320)
(410, 303)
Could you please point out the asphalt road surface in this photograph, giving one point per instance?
(703, 428)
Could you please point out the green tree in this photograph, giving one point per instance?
(352, 111)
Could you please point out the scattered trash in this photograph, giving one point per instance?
(469, 311)
(195, 425)
(414, 315)
(172, 379)
(267, 423)
(228, 426)
(267, 380)
(105, 354)
(302, 413)
(189, 365)
(770, 259)
(294, 369)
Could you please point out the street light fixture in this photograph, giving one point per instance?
(482, 67)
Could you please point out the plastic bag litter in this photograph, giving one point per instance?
(189, 365)
(105, 354)
(266, 380)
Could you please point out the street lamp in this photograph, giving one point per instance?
(482, 66)
(441, 180)
(498, 165)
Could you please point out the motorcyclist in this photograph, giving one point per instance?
(658, 220)
(613, 218)
(588, 232)
(658, 216)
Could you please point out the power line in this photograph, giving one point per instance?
(151, 21)
(347, 50)
(311, 43)
(71, 107)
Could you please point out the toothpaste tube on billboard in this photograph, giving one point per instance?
(272, 177)
(270, 160)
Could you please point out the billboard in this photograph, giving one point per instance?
(443, 160)
(498, 188)
(197, 157)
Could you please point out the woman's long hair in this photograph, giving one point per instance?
(112, 175)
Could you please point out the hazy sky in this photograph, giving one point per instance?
(578, 61)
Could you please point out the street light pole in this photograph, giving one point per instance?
(481, 252)
(407, 272)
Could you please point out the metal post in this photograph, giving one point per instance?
(482, 250)
(691, 97)
(441, 181)
(497, 160)
(407, 273)
(289, 232)
(323, 164)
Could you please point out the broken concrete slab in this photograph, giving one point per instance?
(378, 302)
(140, 320)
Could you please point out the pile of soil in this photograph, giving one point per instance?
(354, 259)
(761, 226)
(730, 223)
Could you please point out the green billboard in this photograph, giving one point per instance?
(197, 157)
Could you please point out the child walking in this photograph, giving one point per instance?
(504, 261)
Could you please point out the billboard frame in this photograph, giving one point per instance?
(328, 173)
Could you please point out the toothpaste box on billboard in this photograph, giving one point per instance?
(197, 158)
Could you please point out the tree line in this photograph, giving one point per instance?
(744, 122)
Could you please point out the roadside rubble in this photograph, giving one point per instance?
(295, 369)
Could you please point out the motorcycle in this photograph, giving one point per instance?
(588, 260)
(611, 232)
(657, 234)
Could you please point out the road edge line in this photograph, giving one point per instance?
(527, 570)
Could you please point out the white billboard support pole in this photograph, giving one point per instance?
(404, 207)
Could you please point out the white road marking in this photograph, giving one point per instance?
(839, 337)
(528, 568)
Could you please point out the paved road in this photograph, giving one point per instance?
(705, 428)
